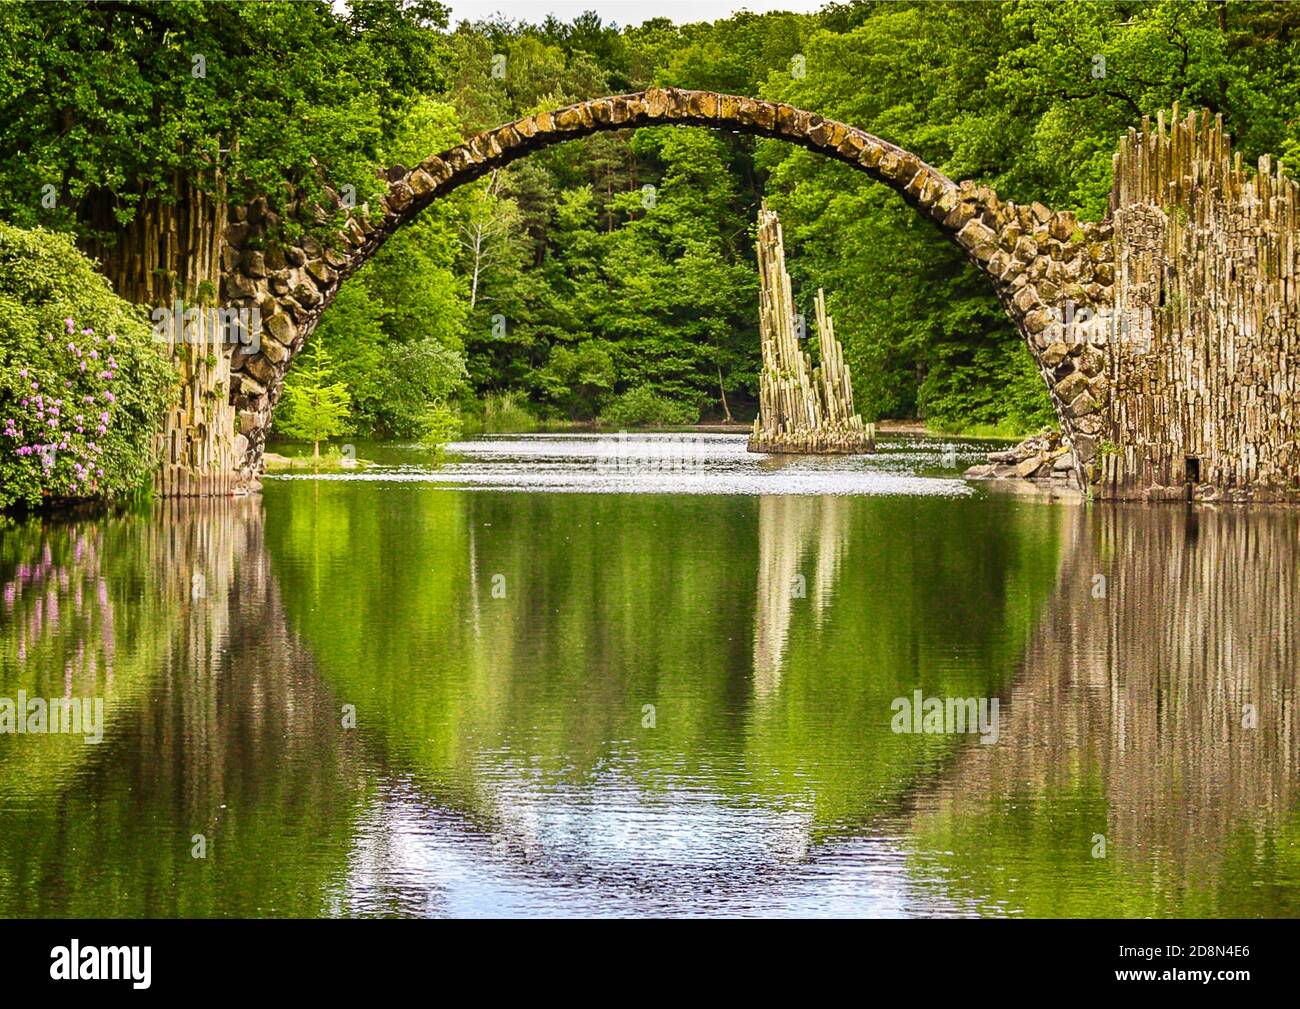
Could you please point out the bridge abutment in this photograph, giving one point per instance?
(170, 258)
(1205, 349)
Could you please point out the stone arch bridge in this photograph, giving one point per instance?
(1166, 333)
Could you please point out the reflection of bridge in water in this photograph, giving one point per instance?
(232, 732)
(1174, 696)
(217, 726)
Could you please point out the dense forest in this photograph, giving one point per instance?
(614, 277)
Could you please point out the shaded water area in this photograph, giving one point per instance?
(653, 677)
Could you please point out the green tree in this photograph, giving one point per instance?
(110, 102)
(400, 321)
(317, 406)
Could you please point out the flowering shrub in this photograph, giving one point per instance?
(82, 384)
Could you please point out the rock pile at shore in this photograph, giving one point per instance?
(1041, 457)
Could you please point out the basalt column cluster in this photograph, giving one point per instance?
(802, 409)
(1205, 354)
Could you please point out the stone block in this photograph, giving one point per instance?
(1026, 249)
(1030, 467)
(1082, 405)
(978, 240)
(1054, 354)
(1074, 384)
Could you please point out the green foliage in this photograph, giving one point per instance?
(439, 425)
(83, 385)
(399, 322)
(1013, 95)
(107, 103)
(643, 407)
(317, 407)
(578, 379)
(624, 261)
(1005, 93)
(418, 377)
(503, 413)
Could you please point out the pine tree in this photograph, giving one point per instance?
(317, 407)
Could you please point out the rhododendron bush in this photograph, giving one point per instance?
(83, 384)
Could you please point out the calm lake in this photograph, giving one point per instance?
(570, 675)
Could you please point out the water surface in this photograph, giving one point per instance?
(652, 676)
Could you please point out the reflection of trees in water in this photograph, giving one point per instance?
(793, 530)
(220, 722)
(520, 717)
(54, 599)
(227, 732)
(1138, 699)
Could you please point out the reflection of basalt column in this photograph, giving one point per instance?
(218, 726)
(791, 531)
(1149, 684)
(248, 698)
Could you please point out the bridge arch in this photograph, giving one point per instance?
(1035, 258)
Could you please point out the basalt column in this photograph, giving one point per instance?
(1205, 344)
(802, 409)
(169, 258)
